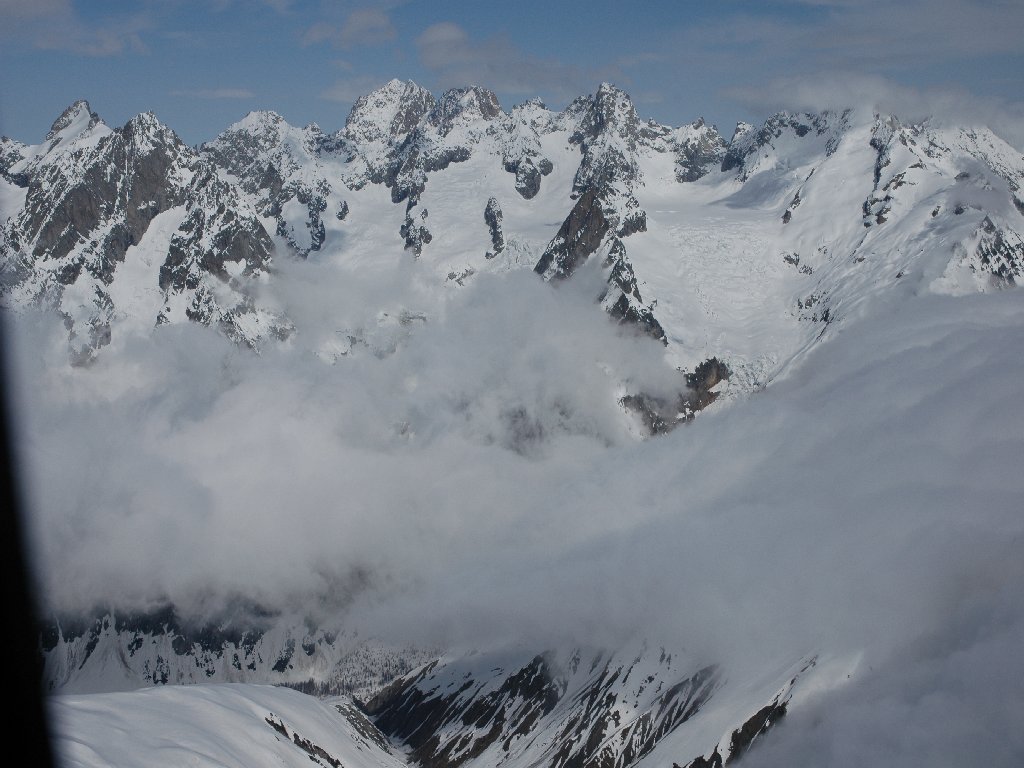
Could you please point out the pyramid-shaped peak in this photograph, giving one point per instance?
(263, 125)
(389, 112)
(73, 121)
(146, 132)
(610, 97)
(259, 118)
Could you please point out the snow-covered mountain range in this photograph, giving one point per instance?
(743, 249)
(724, 262)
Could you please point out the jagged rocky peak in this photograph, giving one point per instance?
(462, 106)
(389, 113)
(260, 150)
(145, 133)
(73, 121)
(608, 130)
(610, 110)
(11, 153)
(738, 146)
(533, 112)
(132, 175)
(257, 131)
(493, 217)
(698, 147)
(580, 235)
(256, 135)
(750, 144)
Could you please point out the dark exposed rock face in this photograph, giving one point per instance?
(459, 106)
(492, 217)
(608, 132)
(314, 200)
(698, 150)
(743, 737)
(528, 178)
(661, 415)
(127, 180)
(1000, 253)
(748, 141)
(214, 235)
(579, 236)
(521, 149)
(88, 199)
(414, 159)
(446, 725)
(268, 157)
(415, 231)
(628, 306)
(738, 147)
(388, 114)
(92, 194)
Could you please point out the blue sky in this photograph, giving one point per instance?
(202, 64)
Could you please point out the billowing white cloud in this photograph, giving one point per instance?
(478, 485)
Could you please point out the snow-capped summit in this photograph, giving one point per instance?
(462, 107)
(389, 113)
(73, 121)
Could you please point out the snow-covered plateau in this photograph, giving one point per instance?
(522, 437)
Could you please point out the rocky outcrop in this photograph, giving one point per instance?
(659, 415)
(11, 153)
(580, 235)
(699, 148)
(622, 299)
(415, 232)
(492, 217)
(521, 151)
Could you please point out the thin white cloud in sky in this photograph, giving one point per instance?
(57, 25)
(349, 89)
(455, 58)
(215, 93)
(366, 26)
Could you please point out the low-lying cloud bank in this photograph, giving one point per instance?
(482, 484)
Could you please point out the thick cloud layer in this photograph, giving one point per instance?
(480, 483)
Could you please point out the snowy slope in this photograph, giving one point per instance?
(215, 725)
